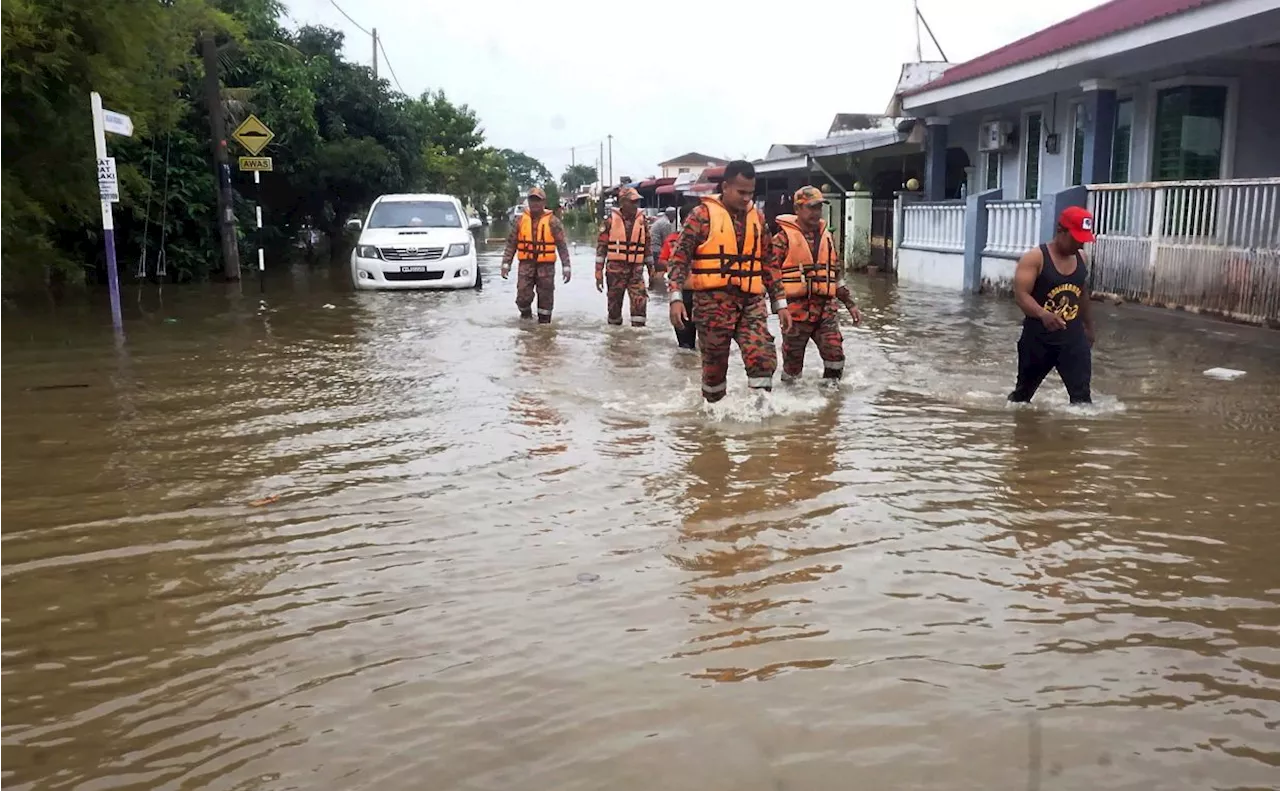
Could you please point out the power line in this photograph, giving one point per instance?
(391, 68)
(349, 19)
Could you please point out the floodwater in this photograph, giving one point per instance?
(326, 540)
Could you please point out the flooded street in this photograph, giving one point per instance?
(340, 540)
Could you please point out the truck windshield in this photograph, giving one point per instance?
(415, 214)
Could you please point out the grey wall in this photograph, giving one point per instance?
(1257, 134)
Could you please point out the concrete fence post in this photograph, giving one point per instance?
(1052, 205)
(975, 236)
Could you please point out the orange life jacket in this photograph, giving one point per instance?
(536, 244)
(622, 249)
(718, 262)
(803, 277)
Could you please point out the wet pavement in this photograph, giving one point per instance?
(408, 541)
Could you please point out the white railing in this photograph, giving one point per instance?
(1211, 246)
(937, 226)
(1013, 227)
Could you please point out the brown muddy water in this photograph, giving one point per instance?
(409, 542)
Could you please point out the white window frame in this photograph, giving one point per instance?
(1133, 126)
(982, 158)
(1074, 108)
(1027, 112)
(1229, 116)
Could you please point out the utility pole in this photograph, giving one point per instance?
(226, 212)
(573, 157)
(375, 53)
(610, 159)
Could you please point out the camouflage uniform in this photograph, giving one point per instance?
(816, 318)
(534, 277)
(623, 279)
(728, 313)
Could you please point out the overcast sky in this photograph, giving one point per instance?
(665, 78)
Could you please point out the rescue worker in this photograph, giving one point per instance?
(724, 257)
(811, 281)
(686, 336)
(1051, 286)
(535, 238)
(662, 227)
(623, 252)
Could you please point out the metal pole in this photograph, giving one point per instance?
(262, 266)
(610, 159)
(108, 221)
(916, 6)
(375, 53)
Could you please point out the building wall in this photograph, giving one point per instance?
(930, 268)
(1255, 152)
(696, 168)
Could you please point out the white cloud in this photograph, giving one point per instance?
(666, 78)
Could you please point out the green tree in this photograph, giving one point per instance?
(577, 176)
(524, 171)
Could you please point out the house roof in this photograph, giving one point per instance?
(1106, 20)
(693, 157)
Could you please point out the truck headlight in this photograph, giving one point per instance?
(455, 250)
(367, 251)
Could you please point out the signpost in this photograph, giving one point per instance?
(109, 191)
(254, 136)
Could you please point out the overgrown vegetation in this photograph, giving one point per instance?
(342, 136)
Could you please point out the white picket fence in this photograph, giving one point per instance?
(1013, 227)
(934, 226)
(1210, 246)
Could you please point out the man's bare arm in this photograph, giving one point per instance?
(1024, 279)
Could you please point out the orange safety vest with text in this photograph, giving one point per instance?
(802, 276)
(536, 243)
(628, 250)
(720, 262)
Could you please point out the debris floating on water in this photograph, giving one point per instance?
(265, 501)
(328, 306)
(1224, 373)
(587, 576)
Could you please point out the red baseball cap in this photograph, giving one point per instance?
(1079, 222)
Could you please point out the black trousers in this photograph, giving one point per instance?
(688, 337)
(1036, 358)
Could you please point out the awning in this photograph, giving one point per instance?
(646, 184)
(800, 162)
(666, 189)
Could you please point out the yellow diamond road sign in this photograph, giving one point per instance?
(253, 135)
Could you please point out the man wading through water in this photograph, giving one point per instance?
(1051, 286)
(811, 280)
(623, 246)
(724, 257)
(535, 238)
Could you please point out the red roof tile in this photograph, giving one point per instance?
(1107, 19)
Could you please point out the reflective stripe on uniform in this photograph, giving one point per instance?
(778, 305)
(786, 377)
(757, 382)
(543, 312)
(835, 365)
(637, 322)
(676, 296)
(720, 388)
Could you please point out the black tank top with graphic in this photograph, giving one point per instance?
(1060, 294)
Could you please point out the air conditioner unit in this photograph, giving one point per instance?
(995, 136)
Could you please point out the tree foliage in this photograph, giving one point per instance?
(342, 136)
(575, 177)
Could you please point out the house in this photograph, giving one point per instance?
(1160, 115)
(692, 162)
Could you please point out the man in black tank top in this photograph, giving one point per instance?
(1051, 286)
